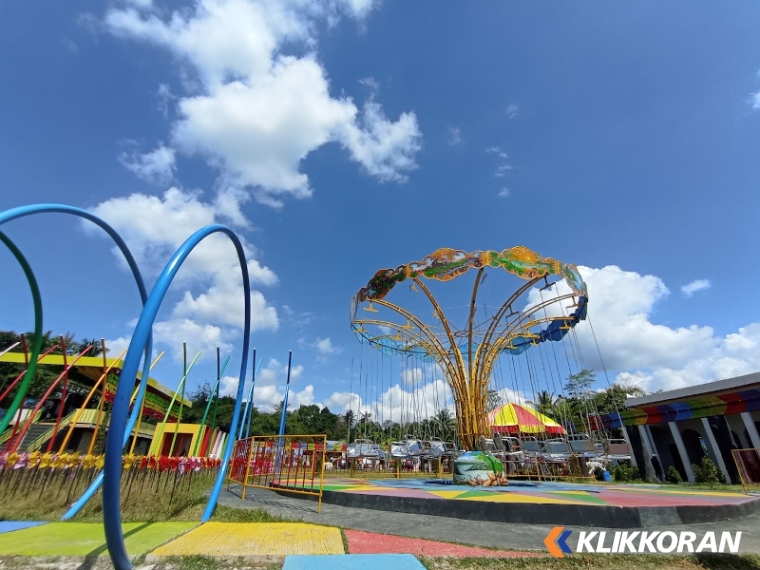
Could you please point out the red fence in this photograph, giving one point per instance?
(292, 463)
(748, 464)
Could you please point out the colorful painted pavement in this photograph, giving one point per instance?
(304, 543)
(541, 493)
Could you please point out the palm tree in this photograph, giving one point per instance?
(545, 403)
(446, 423)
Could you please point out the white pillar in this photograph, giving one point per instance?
(652, 443)
(646, 448)
(715, 449)
(682, 451)
(751, 429)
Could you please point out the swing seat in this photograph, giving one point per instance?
(618, 449)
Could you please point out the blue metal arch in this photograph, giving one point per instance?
(114, 444)
(24, 211)
(37, 340)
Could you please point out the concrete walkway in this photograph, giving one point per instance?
(488, 534)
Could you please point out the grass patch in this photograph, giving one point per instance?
(600, 562)
(146, 501)
(209, 563)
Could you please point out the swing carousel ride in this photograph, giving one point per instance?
(467, 354)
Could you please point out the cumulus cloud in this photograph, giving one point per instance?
(755, 101)
(639, 351)
(453, 136)
(157, 166)
(254, 113)
(270, 387)
(325, 346)
(211, 307)
(697, 285)
(396, 403)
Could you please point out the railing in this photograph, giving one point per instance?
(6, 435)
(291, 463)
(87, 417)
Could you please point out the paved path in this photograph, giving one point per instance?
(489, 534)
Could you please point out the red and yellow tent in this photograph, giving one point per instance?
(514, 419)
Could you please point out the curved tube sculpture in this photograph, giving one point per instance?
(114, 442)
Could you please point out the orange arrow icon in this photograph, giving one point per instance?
(551, 542)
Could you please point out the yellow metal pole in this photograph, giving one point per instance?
(142, 406)
(157, 437)
(101, 403)
(322, 476)
(181, 399)
(247, 468)
(103, 399)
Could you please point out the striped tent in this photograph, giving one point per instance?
(514, 419)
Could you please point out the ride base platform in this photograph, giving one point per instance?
(554, 503)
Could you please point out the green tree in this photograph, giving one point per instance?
(579, 385)
(545, 404)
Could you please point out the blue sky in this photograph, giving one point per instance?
(346, 136)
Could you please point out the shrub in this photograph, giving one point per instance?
(624, 472)
(599, 474)
(707, 472)
(673, 475)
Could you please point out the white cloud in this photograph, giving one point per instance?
(504, 193)
(654, 356)
(203, 338)
(370, 82)
(211, 307)
(385, 149)
(512, 111)
(396, 403)
(254, 113)
(697, 285)
(453, 136)
(755, 100)
(270, 387)
(157, 166)
(325, 346)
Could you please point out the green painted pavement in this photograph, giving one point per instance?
(87, 539)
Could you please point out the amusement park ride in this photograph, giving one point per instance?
(467, 354)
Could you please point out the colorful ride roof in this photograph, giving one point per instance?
(516, 419)
(742, 399)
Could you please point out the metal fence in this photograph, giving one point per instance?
(291, 463)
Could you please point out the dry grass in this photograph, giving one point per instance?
(148, 500)
(600, 562)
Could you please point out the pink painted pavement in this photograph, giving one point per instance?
(360, 542)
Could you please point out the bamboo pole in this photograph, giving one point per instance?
(103, 399)
(157, 437)
(209, 434)
(102, 378)
(181, 400)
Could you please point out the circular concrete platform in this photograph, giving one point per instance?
(590, 505)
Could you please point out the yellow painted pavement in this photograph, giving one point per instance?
(447, 494)
(514, 498)
(255, 539)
